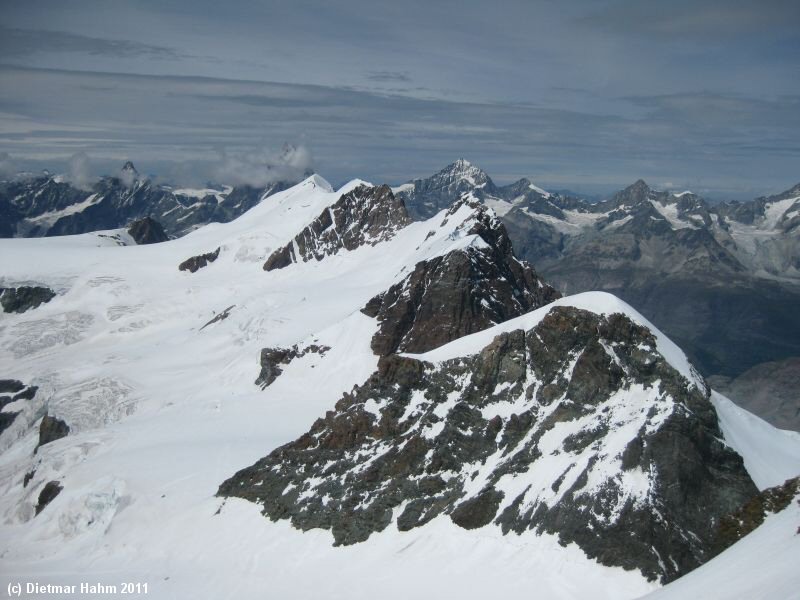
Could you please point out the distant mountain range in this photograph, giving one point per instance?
(722, 280)
(47, 205)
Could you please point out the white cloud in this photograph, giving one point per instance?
(79, 171)
(128, 176)
(258, 168)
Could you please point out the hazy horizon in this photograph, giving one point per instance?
(588, 96)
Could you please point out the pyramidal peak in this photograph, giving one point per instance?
(462, 163)
(639, 184)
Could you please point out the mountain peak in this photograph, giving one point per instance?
(129, 168)
(465, 169)
(635, 193)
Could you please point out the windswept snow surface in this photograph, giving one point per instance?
(771, 455)
(163, 409)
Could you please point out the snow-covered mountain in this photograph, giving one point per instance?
(47, 205)
(413, 408)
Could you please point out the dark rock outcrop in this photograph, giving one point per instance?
(459, 293)
(147, 231)
(366, 215)
(577, 427)
(28, 477)
(195, 263)
(11, 386)
(6, 419)
(220, 317)
(48, 494)
(51, 429)
(13, 391)
(273, 359)
(24, 298)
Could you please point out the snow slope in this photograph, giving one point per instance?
(771, 455)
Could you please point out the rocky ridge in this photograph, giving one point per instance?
(459, 293)
(576, 426)
(365, 215)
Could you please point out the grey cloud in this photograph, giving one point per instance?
(706, 109)
(388, 76)
(27, 42)
(684, 18)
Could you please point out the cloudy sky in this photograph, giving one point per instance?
(588, 95)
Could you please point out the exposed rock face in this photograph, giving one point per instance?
(21, 299)
(366, 215)
(577, 427)
(51, 429)
(48, 494)
(195, 263)
(147, 231)
(11, 386)
(26, 393)
(735, 526)
(273, 359)
(457, 294)
(6, 419)
(12, 390)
